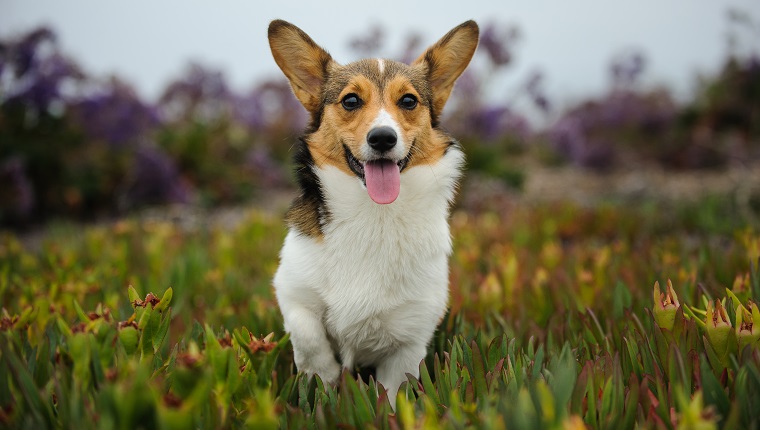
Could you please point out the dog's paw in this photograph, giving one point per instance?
(326, 367)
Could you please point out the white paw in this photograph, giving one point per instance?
(325, 366)
(392, 393)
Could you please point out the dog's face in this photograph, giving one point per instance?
(373, 118)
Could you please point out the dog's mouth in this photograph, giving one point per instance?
(381, 176)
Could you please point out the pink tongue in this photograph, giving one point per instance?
(383, 178)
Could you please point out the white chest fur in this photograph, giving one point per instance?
(378, 279)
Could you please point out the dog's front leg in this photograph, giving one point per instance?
(311, 348)
(392, 371)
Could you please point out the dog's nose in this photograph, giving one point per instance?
(381, 139)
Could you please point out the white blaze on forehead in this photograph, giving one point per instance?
(380, 65)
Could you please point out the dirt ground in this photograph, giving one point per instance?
(586, 187)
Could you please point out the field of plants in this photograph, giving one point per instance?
(560, 316)
(635, 312)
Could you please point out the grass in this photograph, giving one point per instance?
(553, 322)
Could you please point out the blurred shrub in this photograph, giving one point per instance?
(629, 126)
(47, 164)
(75, 145)
(725, 117)
(623, 125)
(228, 145)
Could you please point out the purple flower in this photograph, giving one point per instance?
(467, 87)
(572, 140)
(568, 137)
(248, 110)
(590, 134)
(270, 174)
(489, 123)
(489, 118)
(25, 52)
(115, 114)
(627, 68)
(201, 94)
(271, 108)
(534, 88)
(497, 44)
(534, 81)
(541, 102)
(155, 179)
(41, 86)
(39, 71)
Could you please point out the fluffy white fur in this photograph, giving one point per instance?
(373, 289)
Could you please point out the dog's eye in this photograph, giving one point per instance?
(408, 101)
(351, 102)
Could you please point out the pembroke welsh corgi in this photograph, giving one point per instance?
(363, 275)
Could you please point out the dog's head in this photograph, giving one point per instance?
(373, 118)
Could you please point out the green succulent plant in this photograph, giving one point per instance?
(548, 328)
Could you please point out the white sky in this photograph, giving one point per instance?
(148, 42)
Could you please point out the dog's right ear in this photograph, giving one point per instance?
(304, 63)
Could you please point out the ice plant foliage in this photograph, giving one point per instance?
(552, 324)
(719, 330)
(747, 333)
(665, 306)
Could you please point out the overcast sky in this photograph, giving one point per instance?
(148, 42)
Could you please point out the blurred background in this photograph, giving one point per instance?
(109, 108)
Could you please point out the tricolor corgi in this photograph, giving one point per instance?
(363, 274)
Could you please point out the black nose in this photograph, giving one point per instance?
(381, 139)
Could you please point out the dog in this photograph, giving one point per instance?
(363, 273)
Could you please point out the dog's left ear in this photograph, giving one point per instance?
(447, 59)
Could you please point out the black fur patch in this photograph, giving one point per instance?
(308, 211)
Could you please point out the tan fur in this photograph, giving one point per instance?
(350, 127)
(340, 126)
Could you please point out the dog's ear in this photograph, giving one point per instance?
(304, 63)
(447, 59)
